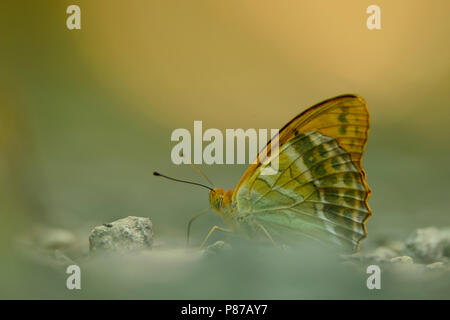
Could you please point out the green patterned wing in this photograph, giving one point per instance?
(318, 192)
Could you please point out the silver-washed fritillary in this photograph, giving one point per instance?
(320, 189)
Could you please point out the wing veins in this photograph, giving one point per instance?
(309, 169)
(338, 205)
(289, 146)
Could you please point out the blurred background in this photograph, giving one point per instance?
(86, 115)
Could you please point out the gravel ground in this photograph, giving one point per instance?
(122, 259)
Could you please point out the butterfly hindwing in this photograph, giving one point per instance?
(319, 190)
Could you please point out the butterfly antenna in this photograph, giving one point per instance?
(199, 171)
(203, 174)
(183, 181)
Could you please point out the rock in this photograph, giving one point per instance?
(382, 254)
(436, 266)
(395, 245)
(357, 256)
(402, 260)
(54, 239)
(216, 247)
(429, 244)
(127, 234)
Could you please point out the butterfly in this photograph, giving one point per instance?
(319, 191)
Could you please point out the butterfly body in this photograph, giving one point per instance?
(242, 223)
(221, 203)
(319, 190)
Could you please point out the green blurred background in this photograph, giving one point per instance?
(86, 115)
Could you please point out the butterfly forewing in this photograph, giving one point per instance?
(344, 118)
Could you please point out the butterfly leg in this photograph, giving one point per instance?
(210, 233)
(192, 220)
(267, 234)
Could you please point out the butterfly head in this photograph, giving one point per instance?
(220, 200)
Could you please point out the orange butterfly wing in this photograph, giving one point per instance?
(345, 118)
